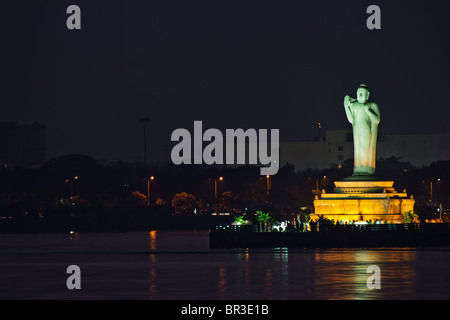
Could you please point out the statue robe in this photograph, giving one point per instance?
(364, 119)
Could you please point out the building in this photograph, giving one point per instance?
(337, 146)
(22, 145)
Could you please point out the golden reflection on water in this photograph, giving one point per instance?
(283, 274)
(153, 276)
(320, 274)
(246, 273)
(153, 239)
(343, 274)
(222, 281)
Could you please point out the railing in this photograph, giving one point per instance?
(345, 228)
(234, 228)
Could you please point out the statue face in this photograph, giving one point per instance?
(362, 95)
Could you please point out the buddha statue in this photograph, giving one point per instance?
(364, 117)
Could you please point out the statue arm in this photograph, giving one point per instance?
(374, 113)
(348, 110)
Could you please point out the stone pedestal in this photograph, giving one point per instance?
(361, 201)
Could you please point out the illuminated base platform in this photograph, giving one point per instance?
(363, 201)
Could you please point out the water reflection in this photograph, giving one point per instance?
(222, 282)
(343, 274)
(280, 273)
(153, 239)
(316, 274)
(180, 265)
(246, 274)
(153, 276)
(268, 281)
(281, 265)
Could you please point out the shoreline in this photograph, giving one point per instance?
(395, 235)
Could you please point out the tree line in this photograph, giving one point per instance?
(74, 181)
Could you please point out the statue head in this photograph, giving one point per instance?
(362, 94)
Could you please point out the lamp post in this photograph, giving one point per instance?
(319, 126)
(70, 180)
(268, 186)
(322, 181)
(144, 121)
(148, 189)
(215, 188)
(215, 192)
(431, 190)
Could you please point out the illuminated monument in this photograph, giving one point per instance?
(362, 197)
(364, 117)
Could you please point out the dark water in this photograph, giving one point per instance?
(179, 265)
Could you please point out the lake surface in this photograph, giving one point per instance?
(178, 265)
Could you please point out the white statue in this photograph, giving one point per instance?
(364, 117)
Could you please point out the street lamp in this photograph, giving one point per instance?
(431, 190)
(319, 125)
(144, 121)
(148, 189)
(215, 192)
(317, 182)
(215, 188)
(71, 185)
(268, 185)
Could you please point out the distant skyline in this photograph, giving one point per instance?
(233, 64)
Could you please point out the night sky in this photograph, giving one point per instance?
(232, 64)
